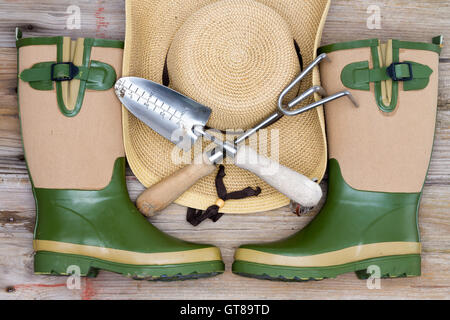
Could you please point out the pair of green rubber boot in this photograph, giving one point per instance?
(379, 155)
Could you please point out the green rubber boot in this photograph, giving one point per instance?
(378, 160)
(72, 135)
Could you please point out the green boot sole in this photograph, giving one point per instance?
(390, 267)
(53, 263)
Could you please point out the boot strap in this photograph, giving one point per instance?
(358, 76)
(98, 76)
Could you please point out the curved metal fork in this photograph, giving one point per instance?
(286, 109)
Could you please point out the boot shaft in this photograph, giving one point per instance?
(71, 128)
(72, 131)
(385, 144)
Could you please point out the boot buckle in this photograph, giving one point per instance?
(72, 72)
(392, 71)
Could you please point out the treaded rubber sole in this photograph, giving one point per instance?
(389, 267)
(52, 263)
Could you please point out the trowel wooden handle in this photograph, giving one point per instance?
(292, 184)
(160, 195)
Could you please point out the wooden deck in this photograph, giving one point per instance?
(404, 19)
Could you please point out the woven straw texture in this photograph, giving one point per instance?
(235, 56)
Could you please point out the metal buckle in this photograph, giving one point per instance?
(73, 71)
(286, 109)
(391, 71)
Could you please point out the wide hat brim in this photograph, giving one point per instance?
(151, 27)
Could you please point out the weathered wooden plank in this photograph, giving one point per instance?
(444, 85)
(10, 144)
(400, 19)
(100, 18)
(346, 18)
(19, 282)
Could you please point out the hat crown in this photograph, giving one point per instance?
(235, 56)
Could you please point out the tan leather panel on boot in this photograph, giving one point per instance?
(379, 151)
(60, 151)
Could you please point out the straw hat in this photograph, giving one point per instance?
(234, 56)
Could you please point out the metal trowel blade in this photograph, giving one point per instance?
(166, 111)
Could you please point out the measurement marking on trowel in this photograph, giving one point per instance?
(142, 95)
(151, 103)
